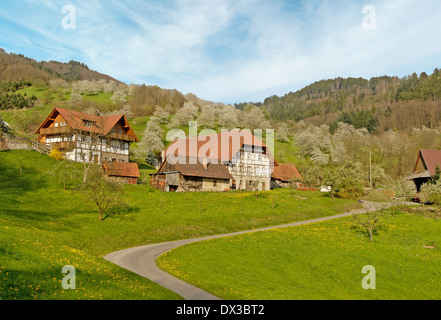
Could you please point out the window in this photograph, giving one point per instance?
(62, 124)
(87, 123)
(56, 124)
(214, 183)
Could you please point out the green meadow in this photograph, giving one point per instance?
(320, 261)
(44, 227)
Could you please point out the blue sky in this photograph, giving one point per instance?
(229, 50)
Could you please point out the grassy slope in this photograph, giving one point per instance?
(44, 228)
(317, 261)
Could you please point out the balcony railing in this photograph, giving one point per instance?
(120, 136)
(67, 129)
(63, 145)
(55, 130)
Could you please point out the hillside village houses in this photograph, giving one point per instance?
(230, 160)
(233, 159)
(89, 138)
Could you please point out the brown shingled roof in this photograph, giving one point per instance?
(101, 124)
(196, 169)
(431, 159)
(213, 171)
(121, 169)
(286, 172)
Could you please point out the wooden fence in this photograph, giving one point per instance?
(9, 141)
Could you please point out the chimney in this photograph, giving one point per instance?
(162, 156)
(205, 163)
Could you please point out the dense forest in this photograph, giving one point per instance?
(379, 104)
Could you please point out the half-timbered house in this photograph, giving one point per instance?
(87, 138)
(229, 160)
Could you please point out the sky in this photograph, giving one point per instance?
(229, 51)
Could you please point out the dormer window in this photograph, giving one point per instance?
(87, 123)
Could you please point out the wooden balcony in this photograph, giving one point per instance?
(54, 130)
(120, 136)
(67, 145)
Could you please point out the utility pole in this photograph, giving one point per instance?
(370, 168)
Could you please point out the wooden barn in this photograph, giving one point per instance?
(285, 175)
(425, 167)
(123, 172)
(191, 177)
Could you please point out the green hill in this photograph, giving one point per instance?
(14, 67)
(44, 227)
(378, 104)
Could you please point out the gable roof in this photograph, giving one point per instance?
(121, 169)
(196, 169)
(214, 171)
(101, 124)
(430, 159)
(219, 148)
(286, 172)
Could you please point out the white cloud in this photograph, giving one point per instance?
(233, 51)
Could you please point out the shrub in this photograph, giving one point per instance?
(56, 154)
(345, 180)
(431, 193)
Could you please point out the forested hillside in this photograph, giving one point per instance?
(379, 104)
(14, 67)
(349, 133)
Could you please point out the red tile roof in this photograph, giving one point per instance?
(101, 124)
(286, 172)
(219, 147)
(431, 158)
(121, 169)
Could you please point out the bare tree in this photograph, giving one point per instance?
(64, 171)
(255, 185)
(88, 143)
(103, 193)
(369, 222)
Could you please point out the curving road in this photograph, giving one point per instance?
(142, 260)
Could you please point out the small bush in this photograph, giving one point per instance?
(56, 154)
(431, 193)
